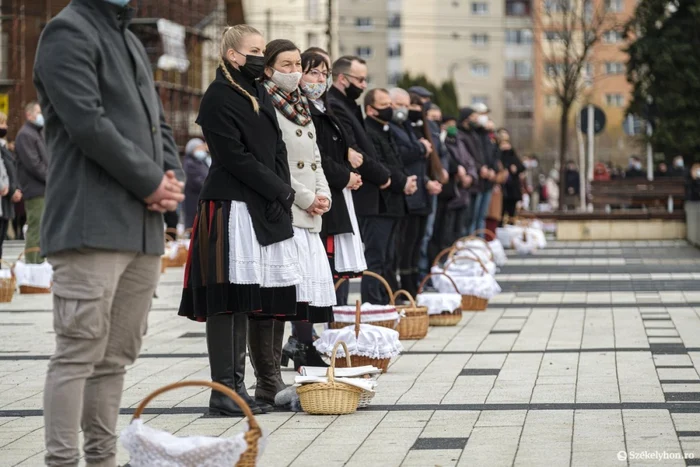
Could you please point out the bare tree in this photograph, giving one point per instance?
(569, 30)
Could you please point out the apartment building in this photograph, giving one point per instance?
(604, 76)
(461, 40)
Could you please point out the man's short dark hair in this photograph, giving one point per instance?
(371, 96)
(343, 64)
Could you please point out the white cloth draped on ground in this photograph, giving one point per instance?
(276, 265)
(373, 341)
(439, 303)
(316, 287)
(349, 251)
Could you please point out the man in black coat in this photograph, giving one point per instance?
(379, 231)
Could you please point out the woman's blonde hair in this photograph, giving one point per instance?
(231, 39)
(3, 118)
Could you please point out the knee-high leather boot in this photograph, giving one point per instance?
(266, 361)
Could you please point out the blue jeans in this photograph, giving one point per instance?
(481, 208)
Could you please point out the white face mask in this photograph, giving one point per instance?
(287, 82)
(678, 163)
(483, 120)
(200, 155)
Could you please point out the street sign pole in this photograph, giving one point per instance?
(591, 142)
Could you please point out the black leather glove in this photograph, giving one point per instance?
(286, 199)
(275, 211)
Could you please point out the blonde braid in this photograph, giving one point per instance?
(230, 39)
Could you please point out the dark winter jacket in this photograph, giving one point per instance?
(461, 156)
(8, 207)
(196, 172)
(394, 203)
(32, 160)
(413, 155)
(512, 189)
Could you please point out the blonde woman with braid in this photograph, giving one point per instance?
(243, 259)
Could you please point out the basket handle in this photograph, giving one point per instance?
(440, 255)
(474, 237)
(35, 249)
(331, 369)
(252, 422)
(358, 318)
(339, 283)
(406, 294)
(487, 232)
(474, 258)
(425, 281)
(384, 283)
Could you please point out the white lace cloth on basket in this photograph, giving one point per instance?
(34, 275)
(438, 303)
(149, 447)
(477, 248)
(316, 287)
(499, 253)
(368, 313)
(275, 265)
(374, 341)
(484, 286)
(525, 246)
(465, 267)
(349, 253)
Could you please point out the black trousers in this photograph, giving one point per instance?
(442, 231)
(171, 219)
(409, 237)
(378, 235)
(4, 224)
(509, 206)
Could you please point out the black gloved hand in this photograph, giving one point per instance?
(287, 199)
(275, 211)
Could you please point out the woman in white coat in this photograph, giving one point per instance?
(312, 194)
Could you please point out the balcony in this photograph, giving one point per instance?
(189, 13)
(518, 8)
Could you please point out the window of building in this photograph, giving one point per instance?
(364, 52)
(312, 40)
(615, 100)
(364, 22)
(614, 68)
(519, 36)
(480, 69)
(552, 36)
(395, 50)
(394, 79)
(612, 37)
(551, 100)
(480, 99)
(518, 69)
(557, 6)
(480, 8)
(480, 40)
(554, 69)
(517, 8)
(588, 70)
(395, 21)
(613, 6)
(312, 9)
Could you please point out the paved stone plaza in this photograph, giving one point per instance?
(590, 357)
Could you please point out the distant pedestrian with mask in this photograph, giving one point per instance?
(196, 164)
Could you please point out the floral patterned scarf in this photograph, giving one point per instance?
(294, 106)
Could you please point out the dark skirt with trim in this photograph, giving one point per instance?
(207, 290)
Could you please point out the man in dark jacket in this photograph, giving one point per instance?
(113, 172)
(379, 231)
(32, 164)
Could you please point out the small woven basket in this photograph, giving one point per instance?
(331, 398)
(7, 286)
(361, 360)
(252, 436)
(469, 302)
(366, 396)
(171, 236)
(30, 289)
(415, 324)
(445, 318)
(390, 323)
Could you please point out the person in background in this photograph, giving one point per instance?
(661, 170)
(600, 172)
(196, 165)
(552, 187)
(534, 176)
(572, 180)
(512, 188)
(414, 153)
(32, 166)
(678, 169)
(13, 195)
(634, 169)
(380, 241)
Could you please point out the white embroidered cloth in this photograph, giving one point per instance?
(34, 275)
(374, 341)
(499, 253)
(149, 447)
(349, 253)
(316, 287)
(275, 265)
(368, 313)
(439, 303)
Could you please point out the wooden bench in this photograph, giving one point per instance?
(639, 193)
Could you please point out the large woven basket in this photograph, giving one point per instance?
(445, 318)
(252, 436)
(390, 323)
(7, 286)
(469, 302)
(30, 289)
(415, 324)
(171, 236)
(331, 398)
(361, 360)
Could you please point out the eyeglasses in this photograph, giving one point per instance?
(360, 79)
(318, 74)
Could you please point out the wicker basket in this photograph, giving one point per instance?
(7, 286)
(474, 237)
(252, 436)
(171, 236)
(415, 324)
(360, 360)
(331, 398)
(390, 323)
(469, 302)
(30, 289)
(366, 396)
(445, 318)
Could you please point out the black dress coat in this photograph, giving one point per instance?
(413, 155)
(249, 157)
(368, 199)
(8, 207)
(512, 189)
(333, 145)
(385, 146)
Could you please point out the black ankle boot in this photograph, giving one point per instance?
(226, 344)
(309, 357)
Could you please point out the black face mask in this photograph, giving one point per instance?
(3, 132)
(385, 115)
(415, 115)
(254, 66)
(353, 92)
(426, 106)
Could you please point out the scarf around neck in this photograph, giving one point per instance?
(294, 106)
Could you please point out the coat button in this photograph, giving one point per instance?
(314, 166)
(154, 129)
(335, 138)
(300, 165)
(311, 135)
(299, 133)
